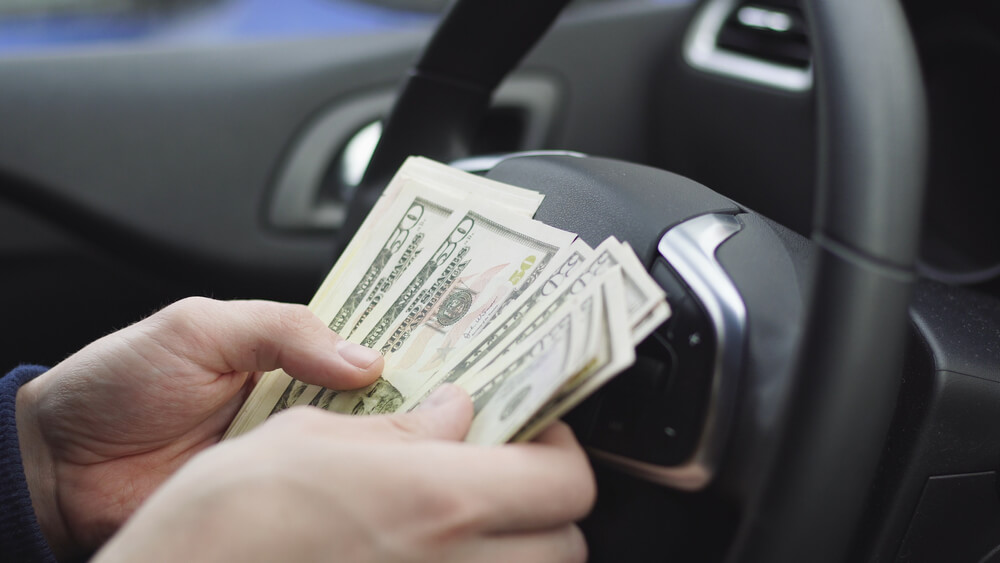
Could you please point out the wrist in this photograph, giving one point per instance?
(40, 471)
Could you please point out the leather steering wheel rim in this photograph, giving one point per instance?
(872, 142)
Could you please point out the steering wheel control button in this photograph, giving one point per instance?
(683, 404)
(621, 420)
(676, 412)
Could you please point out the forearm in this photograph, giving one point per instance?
(21, 537)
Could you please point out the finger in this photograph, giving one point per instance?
(530, 486)
(558, 434)
(445, 415)
(565, 544)
(247, 336)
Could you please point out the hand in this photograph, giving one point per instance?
(103, 429)
(309, 485)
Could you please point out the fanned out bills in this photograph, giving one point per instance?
(453, 282)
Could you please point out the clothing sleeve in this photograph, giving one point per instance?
(21, 537)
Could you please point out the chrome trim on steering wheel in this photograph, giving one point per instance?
(690, 249)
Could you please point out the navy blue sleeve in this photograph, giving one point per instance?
(21, 538)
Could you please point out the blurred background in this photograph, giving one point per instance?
(35, 25)
(32, 25)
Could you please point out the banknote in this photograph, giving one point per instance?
(508, 324)
(419, 199)
(618, 354)
(487, 261)
(509, 396)
(485, 382)
(650, 322)
(451, 281)
(511, 199)
(419, 217)
(641, 294)
(538, 377)
(437, 180)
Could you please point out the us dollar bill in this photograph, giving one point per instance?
(483, 384)
(617, 353)
(538, 376)
(453, 282)
(508, 198)
(642, 294)
(415, 222)
(418, 217)
(487, 261)
(420, 196)
(509, 396)
(519, 312)
(437, 180)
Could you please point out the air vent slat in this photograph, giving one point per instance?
(772, 31)
(760, 41)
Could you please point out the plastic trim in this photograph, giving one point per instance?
(702, 52)
(296, 204)
(485, 163)
(690, 249)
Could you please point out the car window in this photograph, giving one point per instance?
(34, 25)
(39, 25)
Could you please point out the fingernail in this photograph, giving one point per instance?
(357, 355)
(442, 395)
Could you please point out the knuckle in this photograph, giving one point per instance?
(182, 320)
(454, 515)
(576, 545)
(580, 483)
(188, 306)
(588, 489)
(295, 317)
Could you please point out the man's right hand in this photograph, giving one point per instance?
(309, 485)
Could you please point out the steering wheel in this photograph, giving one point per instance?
(810, 417)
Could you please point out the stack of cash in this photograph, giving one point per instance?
(452, 281)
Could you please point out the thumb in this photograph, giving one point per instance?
(445, 415)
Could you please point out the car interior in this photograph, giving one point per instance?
(807, 180)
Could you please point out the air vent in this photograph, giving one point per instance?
(760, 41)
(769, 31)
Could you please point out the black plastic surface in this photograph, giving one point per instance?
(675, 420)
(754, 144)
(961, 327)
(958, 519)
(772, 267)
(655, 411)
(945, 423)
(956, 41)
(465, 47)
(839, 412)
(872, 148)
(873, 126)
(598, 197)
